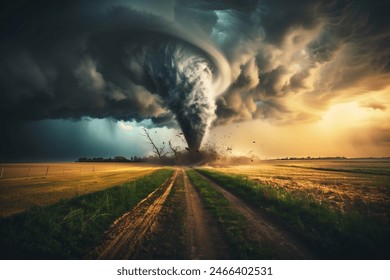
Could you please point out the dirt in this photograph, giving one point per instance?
(121, 241)
(264, 231)
(204, 241)
(178, 226)
(167, 240)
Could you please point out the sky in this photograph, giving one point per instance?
(259, 78)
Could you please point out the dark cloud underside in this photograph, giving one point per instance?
(141, 60)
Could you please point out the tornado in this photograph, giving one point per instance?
(183, 77)
(115, 61)
(187, 73)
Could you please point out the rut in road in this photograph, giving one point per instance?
(127, 232)
(204, 240)
(263, 231)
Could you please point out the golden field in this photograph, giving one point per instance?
(348, 185)
(25, 185)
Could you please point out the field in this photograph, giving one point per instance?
(354, 185)
(25, 185)
(70, 228)
(286, 209)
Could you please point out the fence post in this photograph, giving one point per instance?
(2, 171)
(29, 171)
(47, 170)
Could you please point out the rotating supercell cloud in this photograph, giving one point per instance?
(190, 64)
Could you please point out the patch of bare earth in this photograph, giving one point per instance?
(124, 237)
(172, 223)
(204, 240)
(263, 231)
(167, 240)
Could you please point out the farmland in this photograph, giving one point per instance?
(361, 186)
(271, 210)
(69, 228)
(36, 184)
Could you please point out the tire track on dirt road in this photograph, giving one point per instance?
(121, 241)
(262, 230)
(203, 238)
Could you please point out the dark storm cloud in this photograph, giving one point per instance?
(49, 69)
(73, 59)
(312, 49)
(137, 60)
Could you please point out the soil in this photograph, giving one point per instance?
(172, 223)
(263, 230)
(123, 238)
(204, 241)
(167, 239)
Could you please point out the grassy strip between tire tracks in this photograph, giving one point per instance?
(68, 229)
(232, 223)
(330, 234)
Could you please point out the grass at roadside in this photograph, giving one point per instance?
(330, 233)
(231, 223)
(68, 229)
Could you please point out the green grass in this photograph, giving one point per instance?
(231, 223)
(331, 234)
(68, 229)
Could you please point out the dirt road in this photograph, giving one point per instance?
(263, 230)
(204, 241)
(126, 233)
(143, 231)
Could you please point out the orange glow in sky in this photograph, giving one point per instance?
(350, 129)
